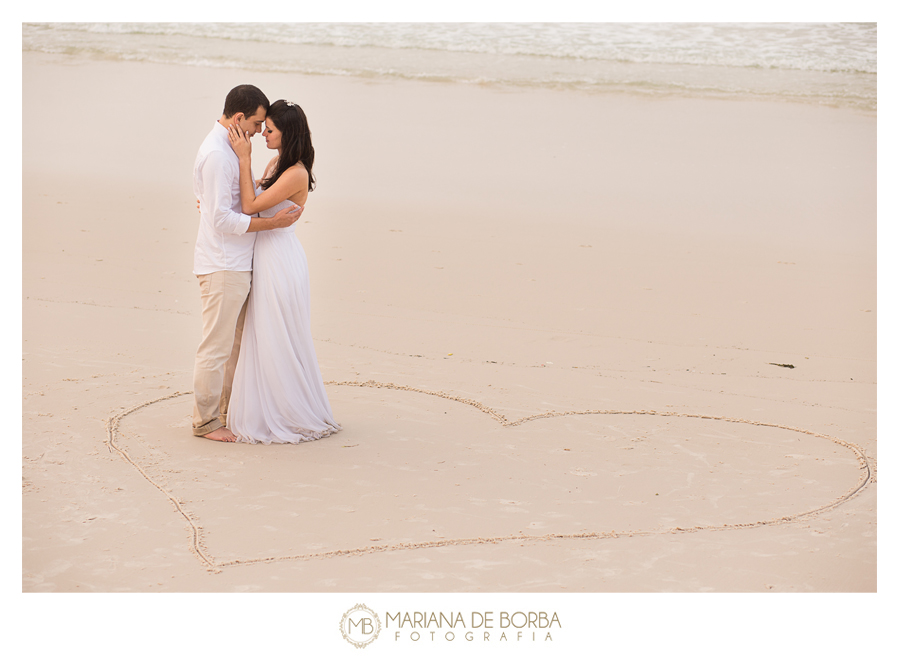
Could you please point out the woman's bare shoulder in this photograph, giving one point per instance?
(297, 174)
(299, 178)
(300, 171)
(270, 167)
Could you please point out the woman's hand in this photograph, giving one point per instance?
(240, 142)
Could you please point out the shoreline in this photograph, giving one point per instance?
(552, 60)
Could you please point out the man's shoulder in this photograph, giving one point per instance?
(214, 153)
(216, 140)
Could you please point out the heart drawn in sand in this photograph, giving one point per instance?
(419, 469)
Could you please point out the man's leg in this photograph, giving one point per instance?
(222, 296)
(232, 365)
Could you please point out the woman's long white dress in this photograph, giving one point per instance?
(278, 395)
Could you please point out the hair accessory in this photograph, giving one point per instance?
(289, 104)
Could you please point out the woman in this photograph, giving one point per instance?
(278, 394)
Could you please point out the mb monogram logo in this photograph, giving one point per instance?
(360, 626)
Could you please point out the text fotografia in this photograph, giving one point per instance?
(478, 626)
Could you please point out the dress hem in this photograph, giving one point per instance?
(301, 438)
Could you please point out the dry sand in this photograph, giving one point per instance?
(487, 266)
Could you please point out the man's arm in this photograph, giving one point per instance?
(218, 196)
(283, 218)
(290, 215)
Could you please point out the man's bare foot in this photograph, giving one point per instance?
(221, 434)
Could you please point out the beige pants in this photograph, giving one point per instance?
(223, 297)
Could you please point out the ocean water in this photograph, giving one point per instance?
(824, 63)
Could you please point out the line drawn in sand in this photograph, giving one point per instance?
(198, 547)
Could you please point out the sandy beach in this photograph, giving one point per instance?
(577, 343)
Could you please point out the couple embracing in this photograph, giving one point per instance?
(256, 377)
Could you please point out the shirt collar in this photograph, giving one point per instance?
(221, 133)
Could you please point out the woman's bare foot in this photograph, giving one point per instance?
(221, 434)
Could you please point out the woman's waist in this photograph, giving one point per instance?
(285, 233)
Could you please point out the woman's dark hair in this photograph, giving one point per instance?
(296, 142)
(245, 99)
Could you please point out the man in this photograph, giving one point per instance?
(223, 259)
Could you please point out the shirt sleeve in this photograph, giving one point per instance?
(218, 191)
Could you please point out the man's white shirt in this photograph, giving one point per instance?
(222, 239)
